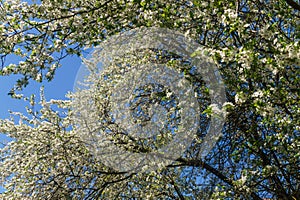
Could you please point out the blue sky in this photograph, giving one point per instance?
(56, 89)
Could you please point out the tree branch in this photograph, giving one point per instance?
(181, 197)
(293, 4)
(199, 163)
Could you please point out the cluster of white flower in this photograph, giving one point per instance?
(256, 44)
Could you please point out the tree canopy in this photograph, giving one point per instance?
(256, 47)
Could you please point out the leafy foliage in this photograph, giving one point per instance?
(255, 43)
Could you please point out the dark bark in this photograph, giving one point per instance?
(199, 163)
(293, 4)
